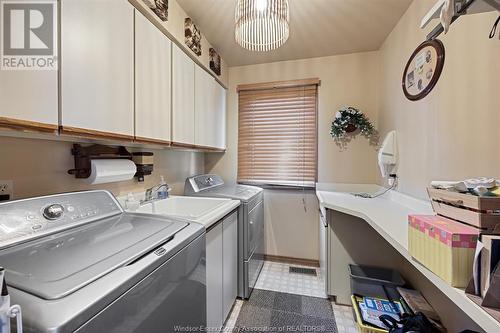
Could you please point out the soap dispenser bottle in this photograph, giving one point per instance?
(162, 188)
(131, 203)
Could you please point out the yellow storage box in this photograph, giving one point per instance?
(444, 246)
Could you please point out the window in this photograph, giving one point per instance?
(277, 138)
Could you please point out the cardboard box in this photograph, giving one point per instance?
(444, 246)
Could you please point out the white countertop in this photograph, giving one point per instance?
(215, 215)
(388, 215)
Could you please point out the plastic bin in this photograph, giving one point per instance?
(359, 322)
(375, 282)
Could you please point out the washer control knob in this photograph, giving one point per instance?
(53, 212)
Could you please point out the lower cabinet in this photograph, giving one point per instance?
(323, 248)
(214, 278)
(222, 270)
(230, 263)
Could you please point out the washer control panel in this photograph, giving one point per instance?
(202, 182)
(24, 218)
(53, 212)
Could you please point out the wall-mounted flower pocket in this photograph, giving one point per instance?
(348, 123)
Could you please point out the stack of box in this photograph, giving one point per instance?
(446, 243)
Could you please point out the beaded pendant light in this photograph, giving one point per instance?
(262, 25)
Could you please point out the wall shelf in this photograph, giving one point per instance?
(462, 7)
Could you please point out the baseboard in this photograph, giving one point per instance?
(290, 260)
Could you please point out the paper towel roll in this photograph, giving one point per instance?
(111, 170)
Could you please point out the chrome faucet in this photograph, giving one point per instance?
(151, 194)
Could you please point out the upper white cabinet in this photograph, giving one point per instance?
(152, 82)
(182, 98)
(97, 68)
(120, 78)
(220, 115)
(29, 100)
(204, 115)
(210, 111)
(28, 96)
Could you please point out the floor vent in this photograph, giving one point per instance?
(301, 270)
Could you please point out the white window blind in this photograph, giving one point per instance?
(277, 138)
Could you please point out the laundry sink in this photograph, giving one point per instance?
(185, 207)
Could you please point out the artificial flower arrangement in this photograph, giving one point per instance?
(350, 120)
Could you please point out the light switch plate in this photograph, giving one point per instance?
(6, 189)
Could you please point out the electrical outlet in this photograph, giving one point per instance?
(6, 190)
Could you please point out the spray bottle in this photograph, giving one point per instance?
(7, 312)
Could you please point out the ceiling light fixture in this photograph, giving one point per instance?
(262, 25)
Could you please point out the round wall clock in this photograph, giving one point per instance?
(423, 69)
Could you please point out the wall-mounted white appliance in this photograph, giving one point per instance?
(388, 155)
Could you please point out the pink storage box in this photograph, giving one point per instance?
(444, 246)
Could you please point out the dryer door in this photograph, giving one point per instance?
(255, 226)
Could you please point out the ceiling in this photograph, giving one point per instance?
(317, 28)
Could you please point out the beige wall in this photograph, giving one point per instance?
(291, 230)
(345, 80)
(39, 167)
(452, 133)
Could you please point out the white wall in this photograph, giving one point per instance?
(345, 80)
(452, 133)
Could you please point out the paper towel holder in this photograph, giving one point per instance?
(84, 156)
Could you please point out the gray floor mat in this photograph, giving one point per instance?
(270, 311)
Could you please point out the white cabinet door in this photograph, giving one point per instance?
(152, 81)
(230, 263)
(220, 116)
(182, 97)
(29, 97)
(210, 111)
(323, 248)
(204, 108)
(97, 66)
(214, 277)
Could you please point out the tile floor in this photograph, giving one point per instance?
(233, 316)
(277, 277)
